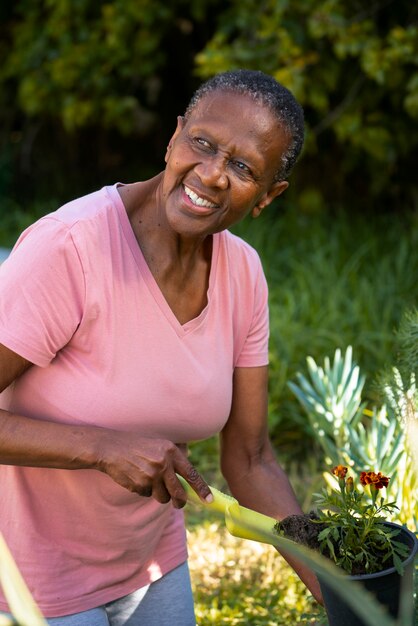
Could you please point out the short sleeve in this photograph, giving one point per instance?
(255, 349)
(42, 292)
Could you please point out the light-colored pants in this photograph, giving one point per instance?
(166, 602)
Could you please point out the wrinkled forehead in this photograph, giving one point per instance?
(241, 125)
(250, 109)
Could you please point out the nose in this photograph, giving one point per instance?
(212, 172)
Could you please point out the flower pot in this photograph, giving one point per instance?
(386, 586)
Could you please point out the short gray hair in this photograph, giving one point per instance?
(264, 89)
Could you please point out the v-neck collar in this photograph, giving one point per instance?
(181, 329)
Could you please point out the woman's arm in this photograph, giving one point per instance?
(142, 465)
(248, 462)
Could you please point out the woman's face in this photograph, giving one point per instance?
(220, 164)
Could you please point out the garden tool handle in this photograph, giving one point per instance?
(240, 521)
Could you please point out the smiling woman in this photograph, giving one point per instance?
(226, 152)
(132, 322)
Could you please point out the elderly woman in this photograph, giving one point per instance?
(131, 323)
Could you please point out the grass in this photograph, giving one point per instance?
(240, 582)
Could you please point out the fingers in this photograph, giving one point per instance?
(195, 480)
(145, 492)
(158, 479)
(148, 467)
(160, 493)
(176, 491)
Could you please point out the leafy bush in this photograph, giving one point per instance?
(353, 68)
(100, 84)
(87, 62)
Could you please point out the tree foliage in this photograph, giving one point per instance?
(353, 66)
(83, 82)
(87, 80)
(89, 62)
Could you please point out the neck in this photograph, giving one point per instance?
(145, 206)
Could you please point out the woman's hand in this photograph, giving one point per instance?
(149, 466)
(142, 465)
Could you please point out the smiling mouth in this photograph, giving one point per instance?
(198, 201)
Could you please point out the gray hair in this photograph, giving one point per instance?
(266, 91)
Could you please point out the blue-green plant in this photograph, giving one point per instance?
(331, 397)
(358, 437)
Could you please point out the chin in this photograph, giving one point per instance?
(186, 226)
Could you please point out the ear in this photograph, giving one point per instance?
(275, 190)
(179, 128)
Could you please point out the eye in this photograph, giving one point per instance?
(203, 142)
(242, 167)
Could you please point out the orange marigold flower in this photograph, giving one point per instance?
(378, 481)
(339, 471)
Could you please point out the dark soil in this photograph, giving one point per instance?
(302, 529)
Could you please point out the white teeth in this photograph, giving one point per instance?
(198, 200)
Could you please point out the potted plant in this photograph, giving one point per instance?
(298, 535)
(351, 530)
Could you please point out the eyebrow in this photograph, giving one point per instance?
(196, 128)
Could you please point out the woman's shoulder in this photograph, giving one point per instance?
(235, 246)
(241, 262)
(71, 225)
(84, 208)
(75, 216)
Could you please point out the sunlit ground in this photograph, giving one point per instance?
(242, 582)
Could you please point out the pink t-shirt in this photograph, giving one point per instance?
(78, 300)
